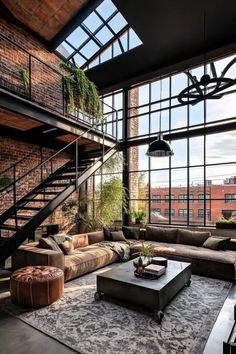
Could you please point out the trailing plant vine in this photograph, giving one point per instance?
(25, 79)
(81, 93)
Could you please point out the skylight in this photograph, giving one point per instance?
(103, 35)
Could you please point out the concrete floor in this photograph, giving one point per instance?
(18, 337)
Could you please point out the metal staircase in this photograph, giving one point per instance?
(27, 213)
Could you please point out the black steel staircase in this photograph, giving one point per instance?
(27, 213)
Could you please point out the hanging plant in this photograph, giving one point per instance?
(81, 93)
(25, 78)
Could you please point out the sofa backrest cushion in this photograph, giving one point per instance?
(94, 237)
(217, 243)
(117, 236)
(49, 244)
(67, 246)
(131, 232)
(80, 240)
(161, 234)
(193, 238)
(107, 231)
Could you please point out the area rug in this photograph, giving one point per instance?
(104, 327)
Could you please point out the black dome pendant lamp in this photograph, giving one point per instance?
(160, 147)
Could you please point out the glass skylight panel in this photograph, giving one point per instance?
(77, 37)
(117, 23)
(107, 54)
(65, 50)
(106, 9)
(116, 49)
(124, 41)
(104, 26)
(79, 60)
(104, 35)
(134, 40)
(92, 22)
(89, 49)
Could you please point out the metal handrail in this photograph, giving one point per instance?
(44, 162)
(28, 96)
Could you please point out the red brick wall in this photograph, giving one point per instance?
(12, 151)
(46, 83)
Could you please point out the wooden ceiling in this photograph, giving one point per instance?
(45, 17)
(17, 121)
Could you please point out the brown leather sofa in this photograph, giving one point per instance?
(87, 256)
(175, 244)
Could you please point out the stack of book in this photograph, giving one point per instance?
(155, 269)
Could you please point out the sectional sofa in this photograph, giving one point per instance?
(210, 256)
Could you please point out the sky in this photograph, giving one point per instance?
(220, 148)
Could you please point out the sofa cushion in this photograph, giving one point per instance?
(161, 234)
(80, 240)
(107, 231)
(216, 243)
(67, 246)
(95, 237)
(49, 244)
(117, 236)
(131, 232)
(194, 238)
(87, 259)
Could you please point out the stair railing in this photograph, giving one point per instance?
(42, 167)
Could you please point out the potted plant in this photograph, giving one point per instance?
(146, 253)
(223, 223)
(139, 216)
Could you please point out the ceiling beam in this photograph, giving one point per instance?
(134, 67)
(73, 24)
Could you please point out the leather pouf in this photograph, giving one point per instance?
(36, 286)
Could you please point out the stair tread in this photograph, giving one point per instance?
(29, 208)
(8, 227)
(56, 185)
(36, 200)
(22, 217)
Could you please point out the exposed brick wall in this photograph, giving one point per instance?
(12, 151)
(46, 85)
(133, 151)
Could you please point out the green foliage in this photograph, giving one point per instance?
(223, 220)
(81, 92)
(25, 78)
(113, 196)
(147, 250)
(139, 215)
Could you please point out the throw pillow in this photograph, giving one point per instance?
(131, 232)
(117, 236)
(59, 238)
(193, 238)
(161, 234)
(49, 244)
(67, 246)
(107, 232)
(216, 243)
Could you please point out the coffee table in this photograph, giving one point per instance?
(120, 283)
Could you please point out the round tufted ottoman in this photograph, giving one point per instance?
(36, 285)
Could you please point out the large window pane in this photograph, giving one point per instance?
(220, 147)
(196, 150)
(180, 153)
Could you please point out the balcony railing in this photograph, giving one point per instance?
(45, 84)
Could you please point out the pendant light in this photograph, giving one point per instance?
(160, 147)
(206, 87)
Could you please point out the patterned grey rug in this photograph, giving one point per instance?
(91, 327)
